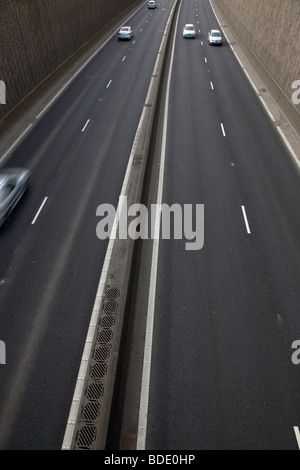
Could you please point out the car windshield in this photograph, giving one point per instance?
(215, 33)
(190, 28)
(125, 29)
(5, 190)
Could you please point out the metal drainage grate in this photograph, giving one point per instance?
(86, 436)
(110, 306)
(112, 293)
(98, 370)
(101, 353)
(105, 336)
(107, 321)
(96, 382)
(90, 411)
(94, 391)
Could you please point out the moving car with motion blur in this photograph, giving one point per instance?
(14, 182)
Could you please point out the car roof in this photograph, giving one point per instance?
(189, 24)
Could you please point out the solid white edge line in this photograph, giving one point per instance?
(39, 211)
(145, 386)
(297, 434)
(246, 219)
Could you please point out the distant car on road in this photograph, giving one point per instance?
(126, 32)
(189, 31)
(151, 4)
(13, 184)
(215, 37)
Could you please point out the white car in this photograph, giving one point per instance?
(215, 37)
(189, 31)
(126, 32)
(151, 4)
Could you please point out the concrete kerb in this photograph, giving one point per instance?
(284, 115)
(117, 267)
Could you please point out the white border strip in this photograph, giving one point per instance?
(297, 434)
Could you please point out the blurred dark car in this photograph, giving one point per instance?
(14, 182)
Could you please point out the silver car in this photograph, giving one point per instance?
(126, 32)
(189, 31)
(214, 37)
(151, 4)
(13, 184)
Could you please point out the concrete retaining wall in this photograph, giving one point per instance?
(271, 31)
(37, 36)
